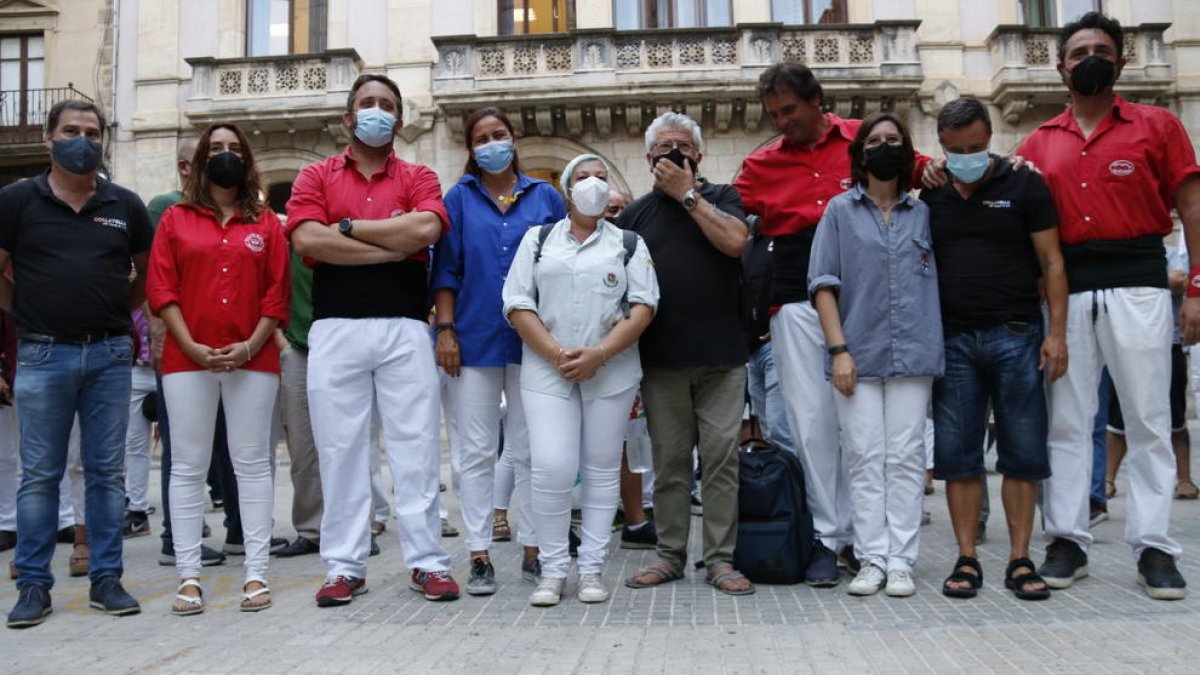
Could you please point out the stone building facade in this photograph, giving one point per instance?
(576, 75)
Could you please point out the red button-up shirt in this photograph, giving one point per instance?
(1121, 182)
(224, 280)
(333, 189)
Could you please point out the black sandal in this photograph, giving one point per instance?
(976, 580)
(1017, 584)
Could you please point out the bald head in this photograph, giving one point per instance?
(616, 204)
(183, 158)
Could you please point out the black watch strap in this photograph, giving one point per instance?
(838, 349)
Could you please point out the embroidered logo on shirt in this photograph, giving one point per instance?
(610, 280)
(1121, 167)
(846, 183)
(115, 223)
(255, 242)
(997, 203)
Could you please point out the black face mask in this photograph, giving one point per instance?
(885, 161)
(226, 170)
(678, 157)
(1092, 75)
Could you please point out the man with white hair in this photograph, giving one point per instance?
(693, 354)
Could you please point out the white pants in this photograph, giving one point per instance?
(10, 467)
(249, 398)
(477, 393)
(799, 346)
(571, 437)
(381, 508)
(138, 441)
(350, 363)
(1129, 330)
(883, 445)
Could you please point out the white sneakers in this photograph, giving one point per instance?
(591, 588)
(868, 581)
(900, 584)
(548, 592)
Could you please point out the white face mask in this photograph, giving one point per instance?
(590, 196)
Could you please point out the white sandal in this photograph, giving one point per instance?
(195, 603)
(249, 597)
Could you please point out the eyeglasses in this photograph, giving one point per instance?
(663, 147)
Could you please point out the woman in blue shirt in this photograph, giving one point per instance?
(490, 208)
(873, 281)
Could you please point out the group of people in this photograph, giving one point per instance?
(548, 314)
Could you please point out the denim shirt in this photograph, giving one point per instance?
(474, 257)
(886, 283)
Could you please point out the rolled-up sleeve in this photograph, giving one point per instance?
(641, 282)
(307, 201)
(162, 277)
(277, 279)
(447, 253)
(520, 287)
(825, 263)
(427, 195)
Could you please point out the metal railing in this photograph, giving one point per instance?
(23, 111)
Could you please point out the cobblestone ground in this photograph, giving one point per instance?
(1102, 625)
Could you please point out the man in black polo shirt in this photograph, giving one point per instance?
(694, 353)
(994, 233)
(71, 236)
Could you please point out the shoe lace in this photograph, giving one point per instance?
(334, 581)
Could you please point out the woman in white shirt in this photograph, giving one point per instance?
(579, 296)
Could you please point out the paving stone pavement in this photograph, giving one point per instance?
(1103, 625)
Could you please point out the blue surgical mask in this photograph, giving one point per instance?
(494, 157)
(969, 167)
(374, 126)
(77, 155)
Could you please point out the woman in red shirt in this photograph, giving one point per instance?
(219, 279)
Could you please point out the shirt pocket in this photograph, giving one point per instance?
(923, 256)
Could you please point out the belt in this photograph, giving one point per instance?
(73, 338)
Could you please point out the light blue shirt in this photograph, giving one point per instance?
(886, 283)
(577, 290)
(473, 258)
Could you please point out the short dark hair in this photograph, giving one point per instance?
(1092, 20)
(858, 171)
(963, 112)
(469, 130)
(74, 104)
(373, 77)
(790, 76)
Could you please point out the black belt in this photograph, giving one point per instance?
(73, 338)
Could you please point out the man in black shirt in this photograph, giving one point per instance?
(694, 353)
(72, 237)
(994, 234)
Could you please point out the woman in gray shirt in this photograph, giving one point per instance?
(873, 281)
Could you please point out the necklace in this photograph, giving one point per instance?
(506, 199)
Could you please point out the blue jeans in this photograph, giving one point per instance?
(1000, 364)
(1100, 441)
(766, 398)
(55, 382)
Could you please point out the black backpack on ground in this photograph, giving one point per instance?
(775, 531)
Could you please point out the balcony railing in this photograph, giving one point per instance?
(1025, 64)
(293, 91)
(553, 75)
(23, 112)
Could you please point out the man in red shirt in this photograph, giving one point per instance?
(367, 219)
(1115, 170)
(787, 183)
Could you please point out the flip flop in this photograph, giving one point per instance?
(658, 568)
(1017, 584)
(717, 580)
(976, 579)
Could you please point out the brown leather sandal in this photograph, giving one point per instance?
(500, 528)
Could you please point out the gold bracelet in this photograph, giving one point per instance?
(249, 355)
(603, 353)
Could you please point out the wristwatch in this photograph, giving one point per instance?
(689, 200)
(346, 227)
(838, 349)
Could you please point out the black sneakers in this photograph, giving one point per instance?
(33, 605)
(208, 556)
(1159, 577)
(136, 524)
(1065, 562)
(644, 537)
(482, 580)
